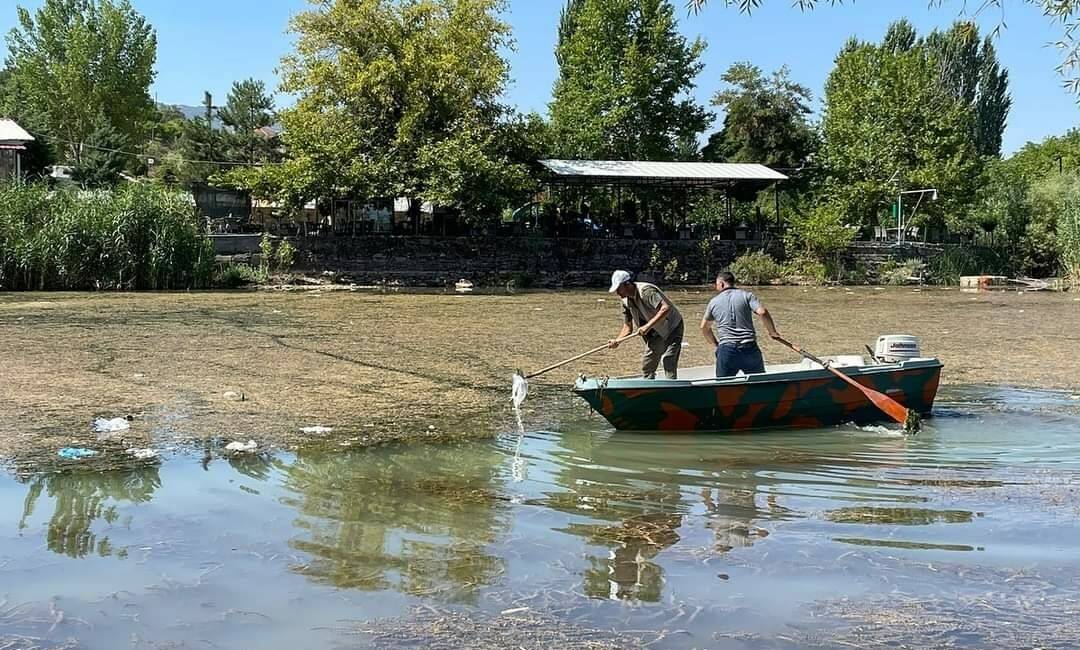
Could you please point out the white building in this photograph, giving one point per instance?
(13, 141)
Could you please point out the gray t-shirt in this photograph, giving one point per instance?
(733, 311)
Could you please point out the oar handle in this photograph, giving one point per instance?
(598, 348)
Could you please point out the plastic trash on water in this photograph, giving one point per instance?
(519, 391)
(102, 425)
(245, 447)
(76, 453)
(143, 454)
(318, 428)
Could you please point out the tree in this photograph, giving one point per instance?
(248, 108)
(1054, 155)
(971, 73)
(625, 76)
(39, 153)
(1063, 12)
(78, 61)
(1031, 199)
(102, 158)
(765, 119)
(384, 90)
(889, 124)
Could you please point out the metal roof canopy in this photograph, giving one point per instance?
(13, 134)
(658, 174)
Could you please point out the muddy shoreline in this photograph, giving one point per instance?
(197, 367)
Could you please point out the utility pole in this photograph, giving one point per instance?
(1060, 159)
(208, 100)
(251, 132)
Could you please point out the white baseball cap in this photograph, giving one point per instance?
(618, 278)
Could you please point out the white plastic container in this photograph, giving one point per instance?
(848, 361)
(893, 348)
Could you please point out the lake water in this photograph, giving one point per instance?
(966, 533)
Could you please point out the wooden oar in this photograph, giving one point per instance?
(889, 406)
(599, 348)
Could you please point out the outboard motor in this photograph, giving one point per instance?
(894, 348)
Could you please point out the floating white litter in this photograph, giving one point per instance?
(519, 391)
(101, 425)
(250, 445)
(318, 428)
(143, 454)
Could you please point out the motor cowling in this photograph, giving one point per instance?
(894, 348)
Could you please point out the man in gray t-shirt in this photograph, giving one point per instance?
(731, 311)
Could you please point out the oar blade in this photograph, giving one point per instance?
(888, 405)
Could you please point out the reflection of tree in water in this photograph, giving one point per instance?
(413, 518)
(82, 497)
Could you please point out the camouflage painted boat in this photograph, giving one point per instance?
(792, 395)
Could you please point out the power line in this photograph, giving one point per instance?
(149, 157)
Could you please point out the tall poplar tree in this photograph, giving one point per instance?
(625, 77)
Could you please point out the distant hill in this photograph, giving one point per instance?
(191, 112)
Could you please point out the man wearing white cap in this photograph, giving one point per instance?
(657, 320)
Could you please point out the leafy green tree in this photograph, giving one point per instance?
(40, 153)
(78, 60)
(971, 72)
(1054, 155)
(103, 157)
(1068, 232)
(625, 76)
(820, 233)
(1065, 13)
(384, 90)
(1027, 203)
(249, 107)
(765, 119)
(888, 125)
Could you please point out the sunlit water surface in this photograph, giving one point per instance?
(773, 539)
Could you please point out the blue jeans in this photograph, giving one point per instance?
(733, 357)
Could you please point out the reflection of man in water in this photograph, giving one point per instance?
(628, 572)
(730, 519)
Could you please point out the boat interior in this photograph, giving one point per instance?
(698, 373)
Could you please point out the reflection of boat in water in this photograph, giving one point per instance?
(788, 395)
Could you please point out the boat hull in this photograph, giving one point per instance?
(804, 398)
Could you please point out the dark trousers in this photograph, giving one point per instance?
(663, 350)
(733, 357)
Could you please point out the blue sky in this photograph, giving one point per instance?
(205, 45)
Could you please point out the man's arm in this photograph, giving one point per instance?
(766, 318)
(627, 327)
(614, 343)
(707, 331)
(661, 314)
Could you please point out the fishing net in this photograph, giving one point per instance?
(520, 390)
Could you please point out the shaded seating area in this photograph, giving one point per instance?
(652, 199)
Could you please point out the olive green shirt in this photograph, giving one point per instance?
(642, 307)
